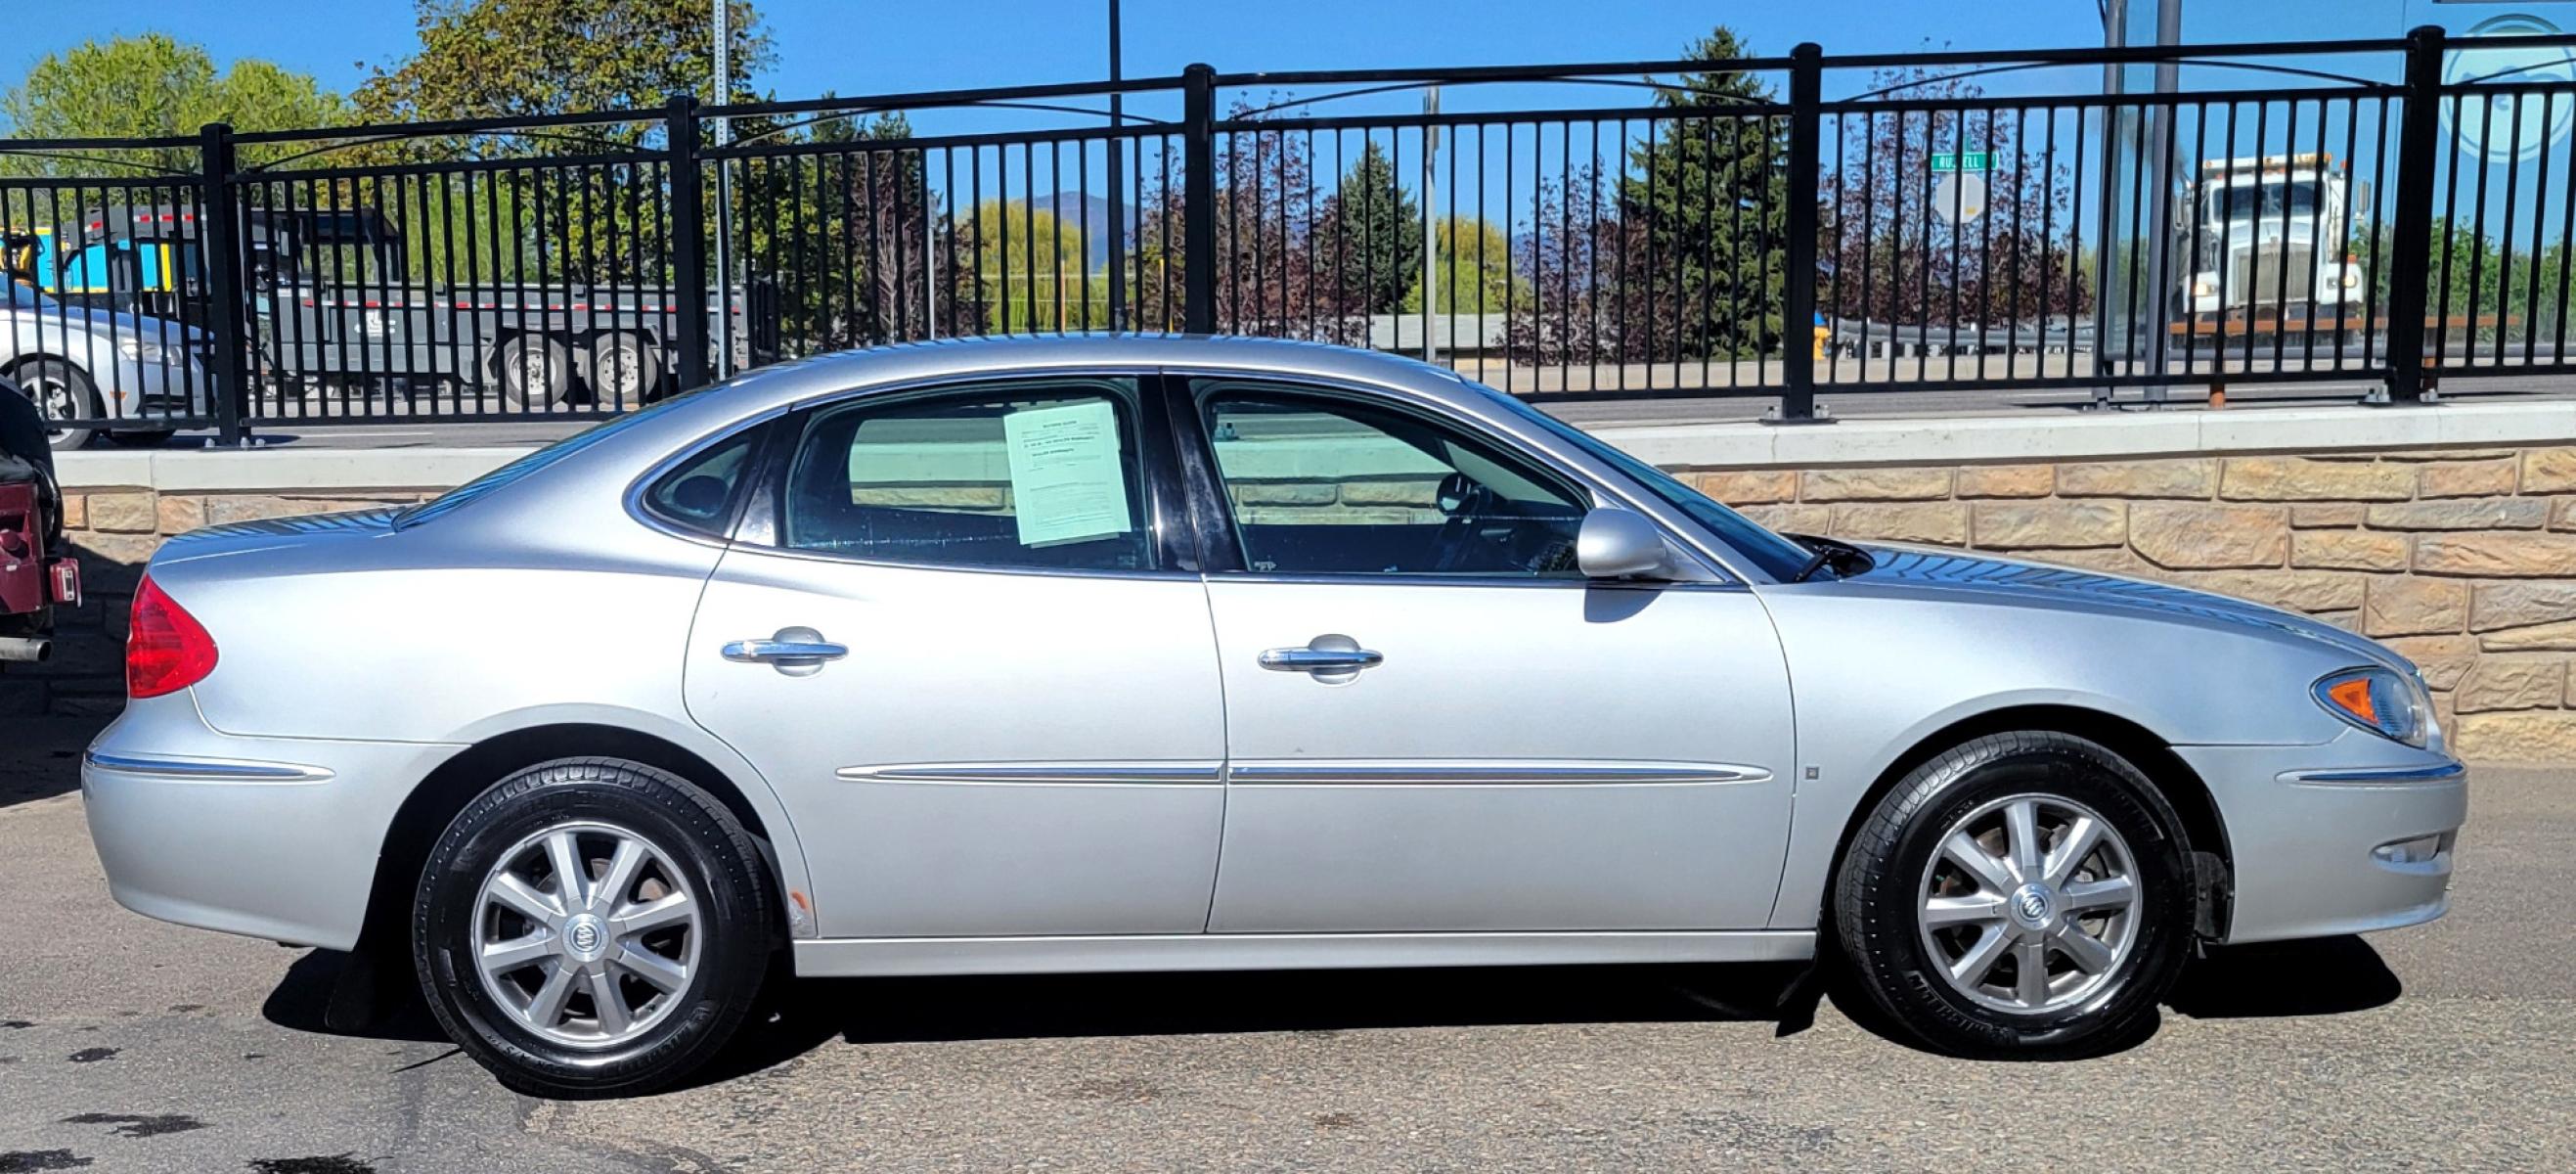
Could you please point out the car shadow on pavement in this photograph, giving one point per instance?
(2323, 977)
(809, 1013)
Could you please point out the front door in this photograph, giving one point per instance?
(1436, 723)
(956, 646)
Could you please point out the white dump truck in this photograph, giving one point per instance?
(2271, 245)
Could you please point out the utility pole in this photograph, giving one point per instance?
(1117, 190)
(723, 92)
(1430, 239)
(2161, 282)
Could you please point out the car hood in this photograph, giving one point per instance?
(1950, 572)
(115, 322)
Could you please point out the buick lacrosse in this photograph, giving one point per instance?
(1121, 654)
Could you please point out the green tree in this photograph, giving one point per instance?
(1706, 198)
(153, 86)
(506, 58)
(1468, 269)
(1373, 227)
(1028, 268)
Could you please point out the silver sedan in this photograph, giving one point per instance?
(1163, 654)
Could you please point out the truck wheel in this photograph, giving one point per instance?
(535, 373)
(625, 369)
(62, 392)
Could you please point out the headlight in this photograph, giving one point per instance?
(2389, 704)
(141, 351)
(2202, 287)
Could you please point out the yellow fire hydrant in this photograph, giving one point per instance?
(1823, 332)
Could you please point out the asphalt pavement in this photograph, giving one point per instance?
(130, 1045)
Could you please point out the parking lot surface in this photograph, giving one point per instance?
(127, 1044)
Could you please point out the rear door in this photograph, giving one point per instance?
(953, 637)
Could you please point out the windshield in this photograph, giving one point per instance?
(524, 466)
(1777, 556)
(2268, 200)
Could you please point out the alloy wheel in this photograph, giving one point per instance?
(2030, 904)
(586, 933)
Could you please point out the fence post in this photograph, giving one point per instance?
(1198, 209)
(220, 223)
(2410, 271)
(688, 243)
(1797, 337)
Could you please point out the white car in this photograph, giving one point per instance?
(134, 377)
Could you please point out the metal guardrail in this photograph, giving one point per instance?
(1767, 227)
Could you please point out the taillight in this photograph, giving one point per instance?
(166, 649)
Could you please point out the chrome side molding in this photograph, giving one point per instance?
(212, 769)
(1037, 773)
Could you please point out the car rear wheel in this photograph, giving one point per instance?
(593, 927)
(2022, 895)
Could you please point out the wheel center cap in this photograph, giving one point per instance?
(2032, 907)
(585, 937)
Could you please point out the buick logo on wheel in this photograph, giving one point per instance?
(2030, 906)
(583, 935)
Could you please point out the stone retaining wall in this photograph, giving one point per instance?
(2462, 558)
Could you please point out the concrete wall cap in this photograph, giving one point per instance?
(1940, 440)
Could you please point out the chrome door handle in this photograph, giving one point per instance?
(1330, 658)
(1320, 660)
(795, 651)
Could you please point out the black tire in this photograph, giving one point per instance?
(1880, 889)
(62, 391)
(536, 372)
(718, 863)
(625, 369)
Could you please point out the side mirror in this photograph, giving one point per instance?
(1617, 544)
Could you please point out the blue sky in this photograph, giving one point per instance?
(876, 46)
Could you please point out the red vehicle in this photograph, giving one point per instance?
(36, 572)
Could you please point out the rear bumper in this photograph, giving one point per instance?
(273, 838)
(2354, 836)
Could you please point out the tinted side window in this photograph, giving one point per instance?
(1322, 485)
(699, 494)
(1037, 476)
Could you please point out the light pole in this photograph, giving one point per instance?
(721, 92)
(1117, 191)
(1430, 240)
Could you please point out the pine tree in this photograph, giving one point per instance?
(1376, 233)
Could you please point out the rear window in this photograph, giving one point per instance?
(509, 474)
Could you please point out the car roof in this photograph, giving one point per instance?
(847, 371)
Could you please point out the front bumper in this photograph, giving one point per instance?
(2315, 834)
(270, 837)
(140, 391)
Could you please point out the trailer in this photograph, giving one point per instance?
(336, 308)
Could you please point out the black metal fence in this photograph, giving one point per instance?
(2388, 215)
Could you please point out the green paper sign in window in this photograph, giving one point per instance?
(1066, 481)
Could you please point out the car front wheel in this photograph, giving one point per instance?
(592, 927)
(2024, 894)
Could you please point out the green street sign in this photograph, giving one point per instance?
(1949, 161)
